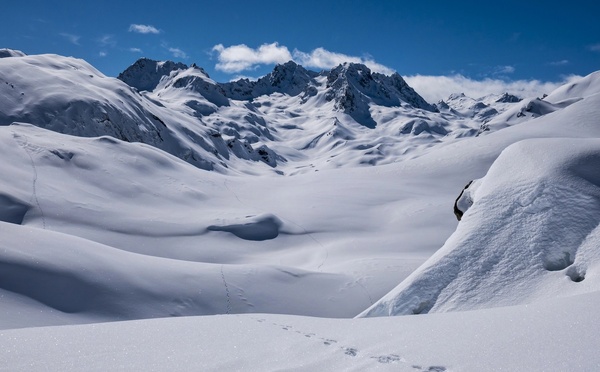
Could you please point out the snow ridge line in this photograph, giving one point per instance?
(226, 291)
(35, 176)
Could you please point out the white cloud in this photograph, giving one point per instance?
(178, 53)
(135, 50)
(237, 58)
(324, 59)
(143, 29)
(102, 54)
(435, 88)
(73, 39)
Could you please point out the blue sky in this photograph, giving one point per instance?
(505, 40)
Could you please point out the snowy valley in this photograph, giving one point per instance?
(303, 221)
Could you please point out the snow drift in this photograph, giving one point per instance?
(531, 233)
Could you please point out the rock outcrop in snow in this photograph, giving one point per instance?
(288, 78)
(353, 88)
(145, 73)
(531, 233)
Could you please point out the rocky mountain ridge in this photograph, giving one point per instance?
(286, 120)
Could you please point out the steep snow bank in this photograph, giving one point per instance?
(531, 233)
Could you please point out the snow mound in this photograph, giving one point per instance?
(531, 233)
(581, 88)
(257, 228)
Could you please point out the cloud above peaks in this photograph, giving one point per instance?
(435, 88)
(323, 59)
(178, 53)
(143, 29)
(238, 58)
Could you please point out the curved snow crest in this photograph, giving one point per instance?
(531, 233)
(6, 53)
(580, 88)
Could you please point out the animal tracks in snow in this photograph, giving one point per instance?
(353, 351)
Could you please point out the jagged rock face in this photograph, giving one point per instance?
(397, 87)
(288, 78)
(241, 90)
(353, 87)
(508, 98)
(145, 74)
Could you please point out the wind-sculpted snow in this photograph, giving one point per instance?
(307, 212)
(528, 235)
(5, 53)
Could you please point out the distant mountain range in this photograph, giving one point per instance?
(286, 120)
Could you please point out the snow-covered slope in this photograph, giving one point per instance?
(307, 212)
(530, 234)
(558, 335)
(533, 220)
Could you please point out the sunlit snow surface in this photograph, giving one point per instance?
(96, 230)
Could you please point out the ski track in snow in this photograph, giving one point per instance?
(34, 196)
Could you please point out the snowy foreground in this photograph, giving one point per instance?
(293, 252)
(557, 335)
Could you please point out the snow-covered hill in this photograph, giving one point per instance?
(311, 194)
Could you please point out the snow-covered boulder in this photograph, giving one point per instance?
(532, 233)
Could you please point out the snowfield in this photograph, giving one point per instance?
(177, 223)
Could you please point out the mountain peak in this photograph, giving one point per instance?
(353, 86)
(508, 98)
(290, 78)
(287, 78)
(145, 73)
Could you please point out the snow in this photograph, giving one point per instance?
(556, 335)
(550, 187)
(243, 226)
